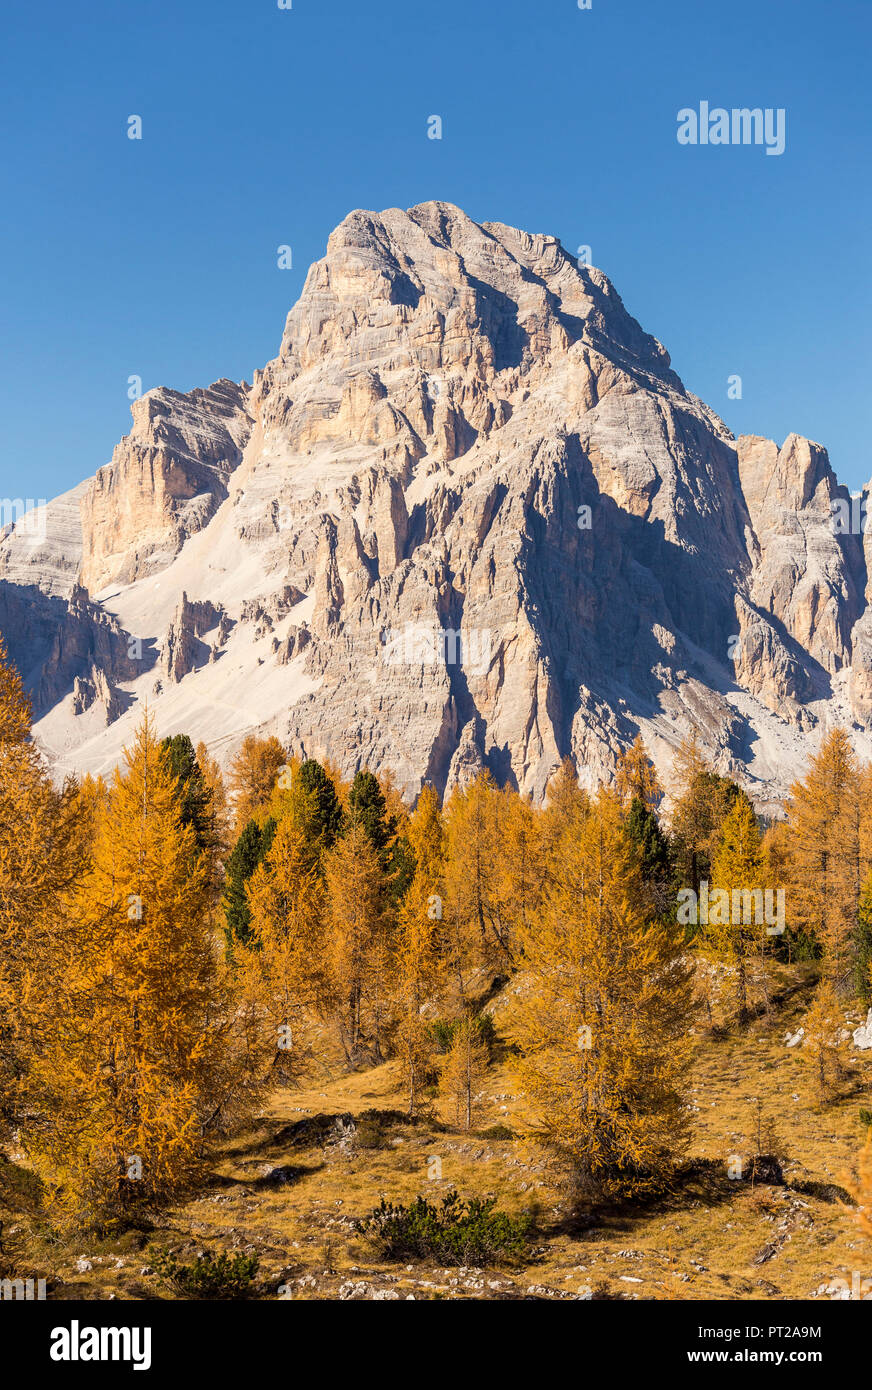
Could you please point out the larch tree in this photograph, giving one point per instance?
(90, 797)
(427, 836)
(418, 979)
(473, 840)
(775, 850)
(283, 976)
(15, 710)
(736, 926)
(463, 1073)
(359, 946)
(213, 781)
(421, 954)
(603, 1025)
(519, 869)
(823, 839)
(703, 801)
(864, 826)
(863, 940)
(132, 1071)
(44, 837)
(560, 820)
(636, 777)
(565, 803)
(861, 1188)
(824, 1050)
(690, 815)
(253, 775)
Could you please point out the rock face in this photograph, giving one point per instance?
(468, 517)
(809, 578)
(43, 549)
(165, 481)
(181, 650)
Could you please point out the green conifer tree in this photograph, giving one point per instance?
(249, 851)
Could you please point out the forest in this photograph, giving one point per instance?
(178, 948)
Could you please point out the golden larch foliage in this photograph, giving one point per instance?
(252, 776)
(133, 1067)
(738, 872)
(604, 1022)
(463, 1074)
(283, 974)
(359, 947)
(823, 840)
(702, 803)
(520, 868)
(213, 781)
(637, 777)
(43, 837)
(824, 1050)
(422, 948)
(473, 818)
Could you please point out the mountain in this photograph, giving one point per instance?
(464, 431)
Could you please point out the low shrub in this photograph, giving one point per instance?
(228, 1276)
(456, 1233)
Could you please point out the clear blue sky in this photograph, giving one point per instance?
(264, 126)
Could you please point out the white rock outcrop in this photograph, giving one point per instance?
(862, 1036)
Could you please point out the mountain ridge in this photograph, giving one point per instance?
(463, 430)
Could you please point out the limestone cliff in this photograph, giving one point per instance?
(467, 517)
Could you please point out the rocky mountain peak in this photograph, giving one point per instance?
(467, 517)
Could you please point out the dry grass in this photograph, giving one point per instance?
(713, 1237)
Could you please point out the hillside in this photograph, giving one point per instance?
(292, 1189)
